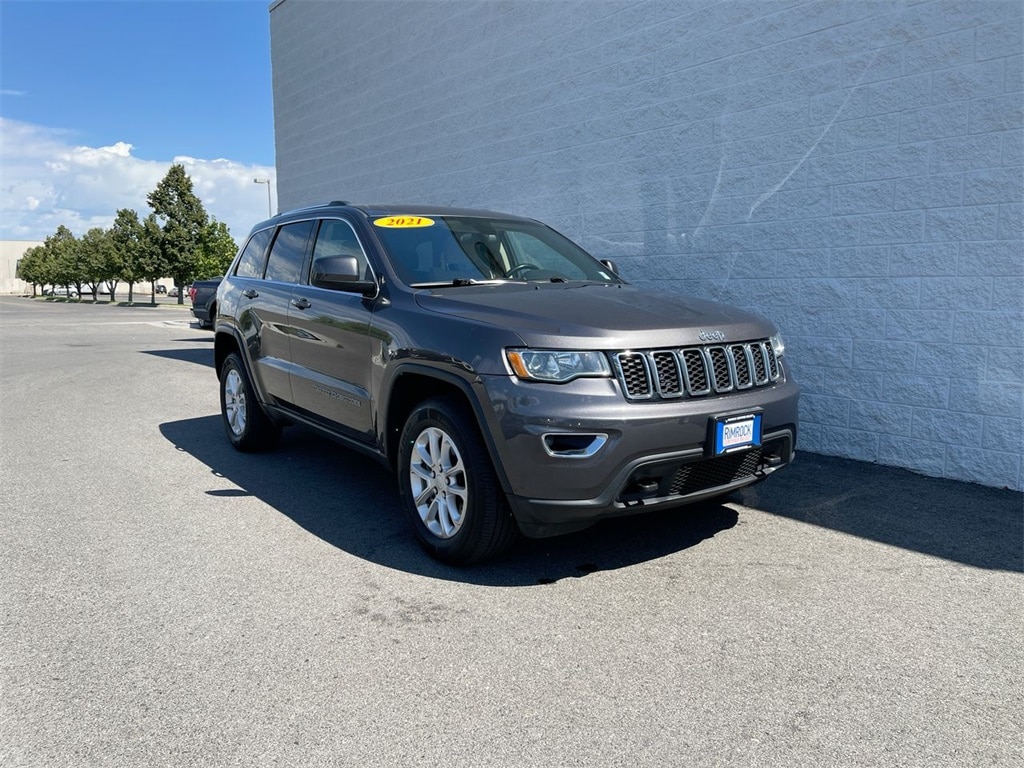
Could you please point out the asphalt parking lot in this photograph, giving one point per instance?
(167, 601)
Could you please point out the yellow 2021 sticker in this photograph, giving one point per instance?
(403, 222)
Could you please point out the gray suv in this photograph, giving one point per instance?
(512, 381)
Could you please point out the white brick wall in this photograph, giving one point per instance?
(851, 169)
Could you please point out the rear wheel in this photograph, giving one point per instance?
(448, 486)
(246, 424)
(212, 313)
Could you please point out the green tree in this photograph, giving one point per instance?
(183, 219)
(32, 267)
(151, 258)
(127, 234)
(216, 250)
(48, 266)
(95, 252)
(62, 256)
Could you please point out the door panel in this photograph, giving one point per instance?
(268, 311)
(330, 348)
(330, 342)
(270, 304)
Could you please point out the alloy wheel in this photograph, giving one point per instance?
(438, 479)
(234, 402)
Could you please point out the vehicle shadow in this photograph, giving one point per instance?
(966, 523)
(351, 502)
(197, 355)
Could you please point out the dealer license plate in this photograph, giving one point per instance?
(735, 432)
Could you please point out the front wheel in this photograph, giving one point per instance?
(246, 424)
(448, 485)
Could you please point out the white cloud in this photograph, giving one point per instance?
(47, 181)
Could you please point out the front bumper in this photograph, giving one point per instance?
(575, 453)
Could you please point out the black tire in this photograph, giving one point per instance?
(245, 422)
(461, 515)
(211, 313)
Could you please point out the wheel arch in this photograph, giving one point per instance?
(411, 385)
(224, 343)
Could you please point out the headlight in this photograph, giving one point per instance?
(777, 345)
(556, 365)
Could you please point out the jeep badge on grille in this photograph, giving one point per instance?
(711, 336)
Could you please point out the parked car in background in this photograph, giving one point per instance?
(61, 290)
(512, 381)
(161, 289)
(204, 301)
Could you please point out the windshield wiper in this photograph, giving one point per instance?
(458, 282)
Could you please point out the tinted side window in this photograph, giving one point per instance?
(251, 262)
(336, 238)
(288, 252)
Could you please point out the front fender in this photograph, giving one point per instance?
(431, 380)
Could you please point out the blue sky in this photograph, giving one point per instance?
(97, 99)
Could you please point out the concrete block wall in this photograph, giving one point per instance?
(851, 169)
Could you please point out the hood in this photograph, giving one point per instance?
(594, 315)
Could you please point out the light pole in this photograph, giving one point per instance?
(270, 211)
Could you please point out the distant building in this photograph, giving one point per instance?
(11, 252)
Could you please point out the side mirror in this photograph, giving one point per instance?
(340, 273)
(611, 265)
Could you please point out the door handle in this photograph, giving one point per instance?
(301, 303)
(250, 293)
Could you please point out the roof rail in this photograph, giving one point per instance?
(319, 205)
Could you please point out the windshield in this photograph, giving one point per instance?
(446, 250)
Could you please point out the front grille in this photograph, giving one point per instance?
(634, 376)
(697, 382)
(741, 365)
(720, 369)
(711, 473)
(697, 371)
(666, 369)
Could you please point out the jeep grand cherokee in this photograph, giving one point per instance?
(512, 381)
